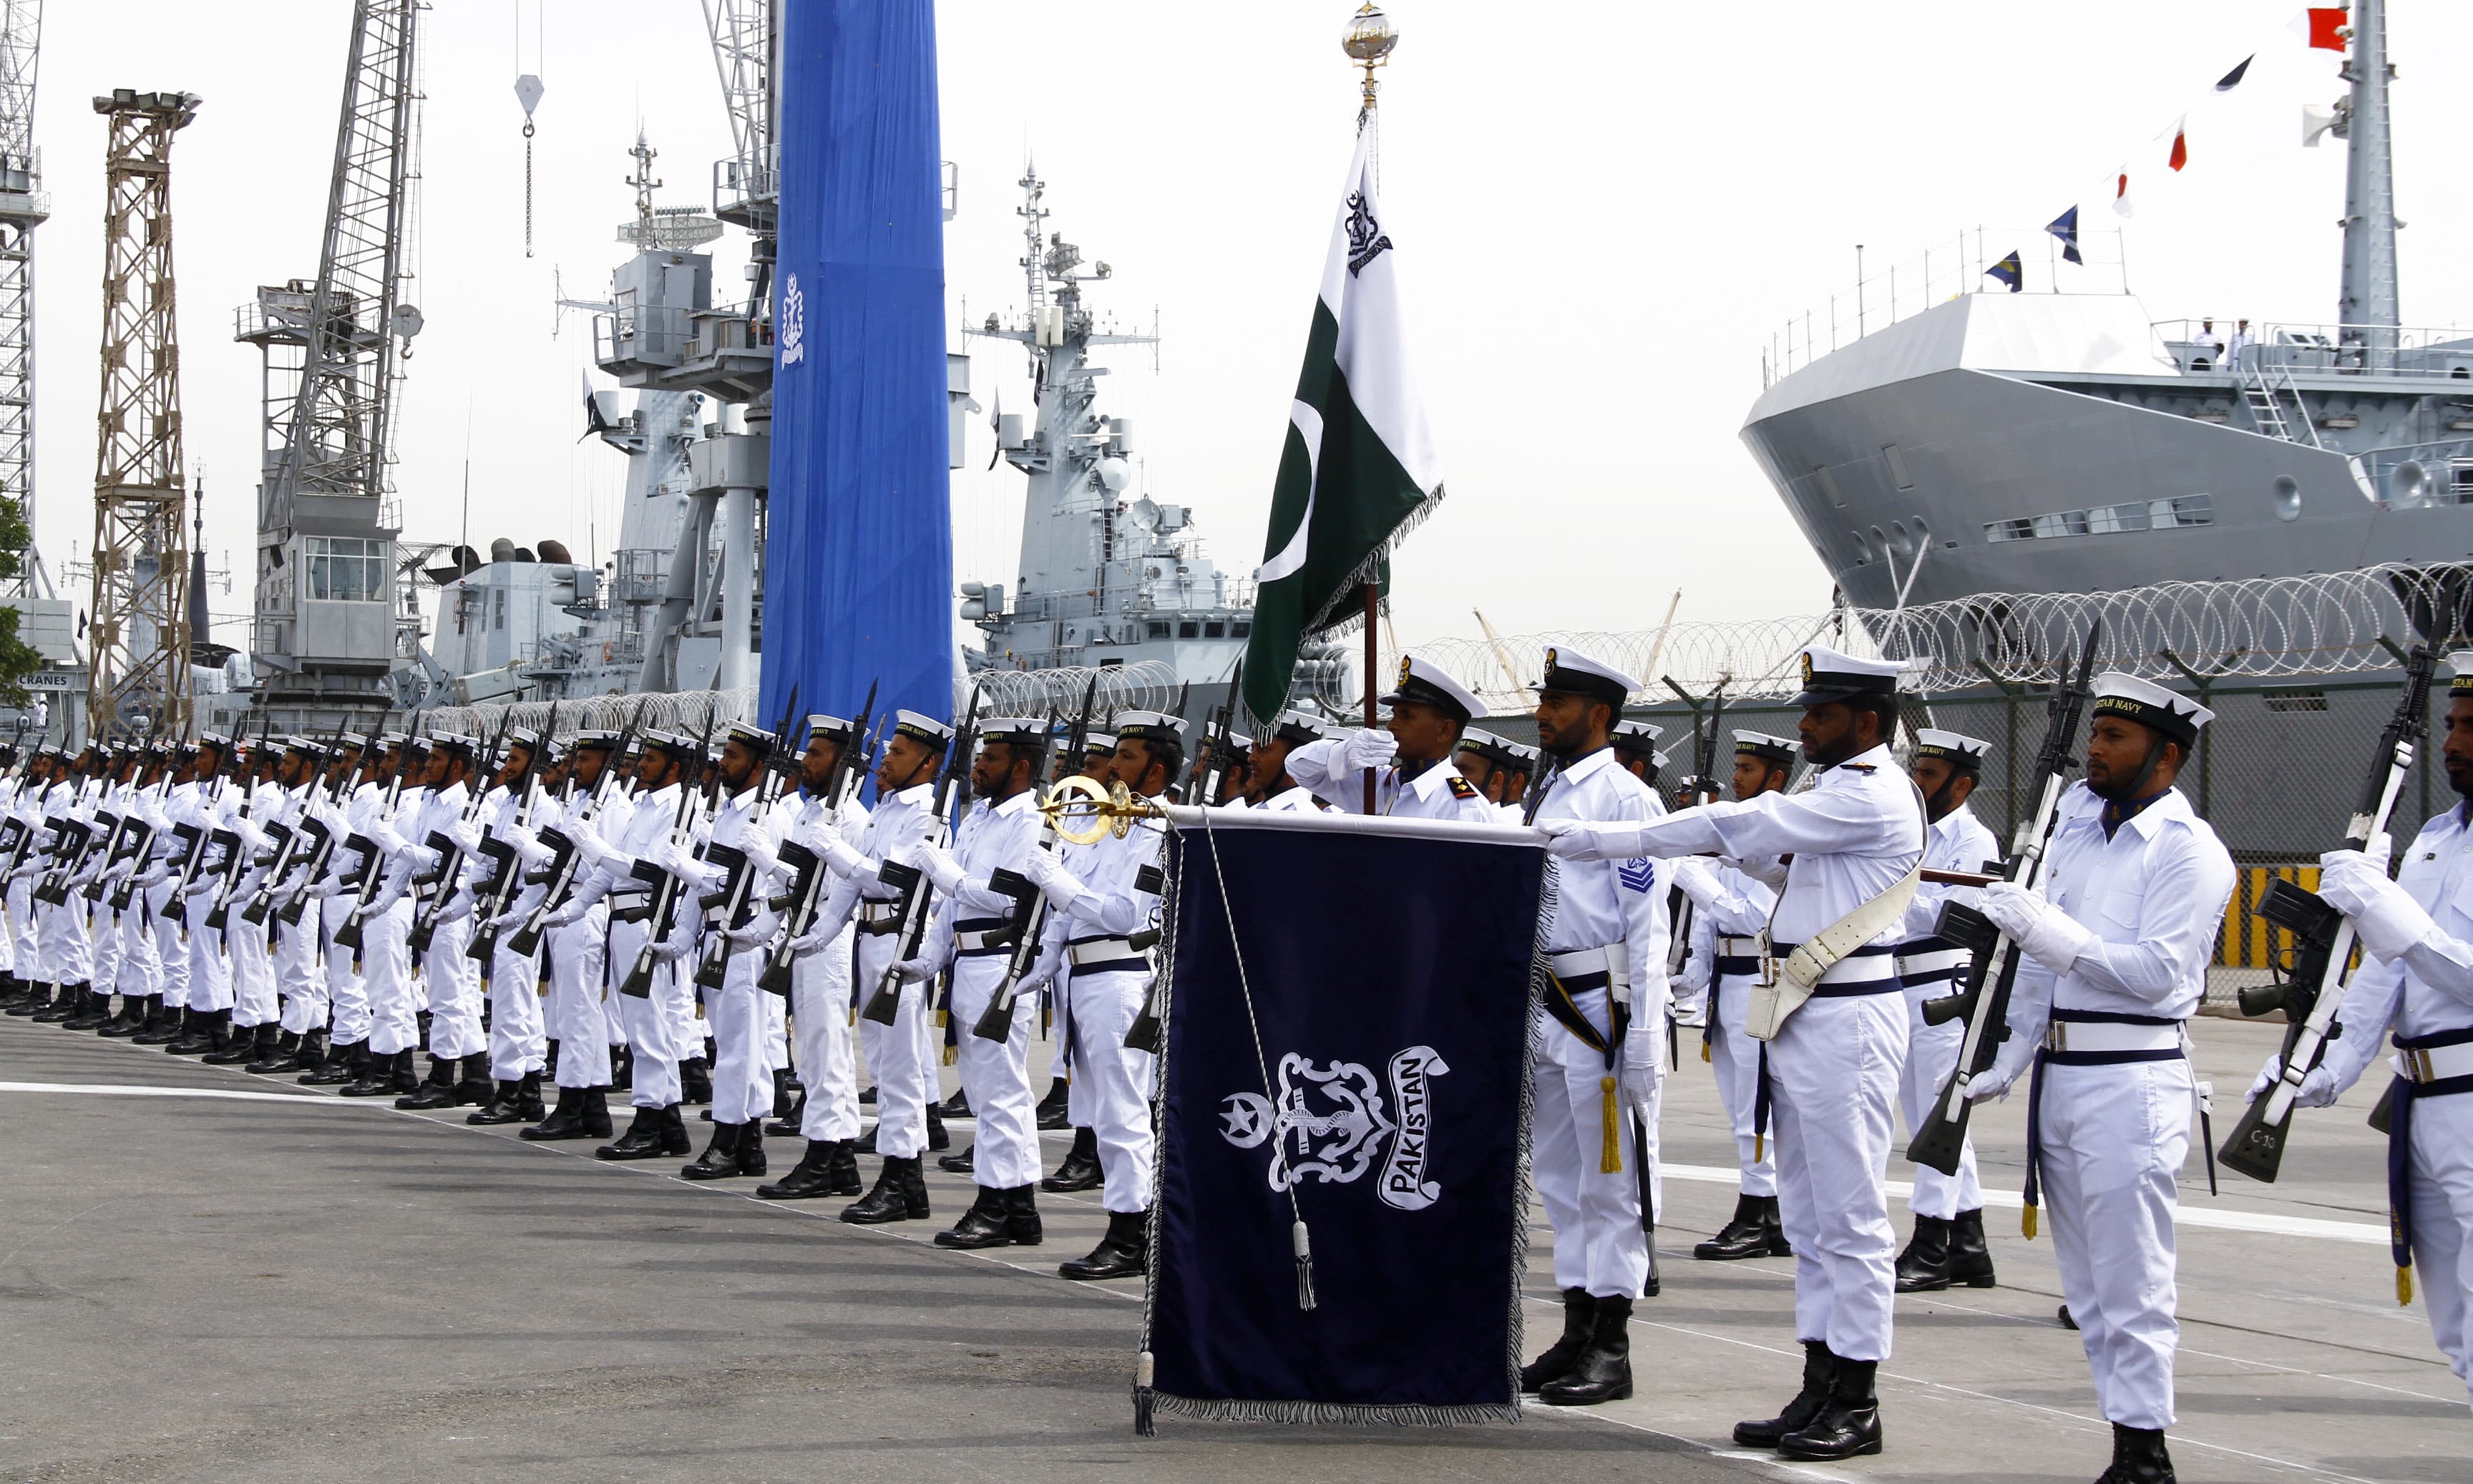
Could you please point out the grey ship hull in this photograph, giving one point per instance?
(1943, 430)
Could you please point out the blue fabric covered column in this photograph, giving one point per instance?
(858, 558)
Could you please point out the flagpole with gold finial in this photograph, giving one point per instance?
(1368, 41)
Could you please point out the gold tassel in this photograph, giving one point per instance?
(1704, 1051)
(854, 1015)
(1760, 1147)
(1610, 1157)
(2404, 1286)
(2026, 1222)
(952, 1054)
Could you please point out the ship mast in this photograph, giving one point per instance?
(2368, 312)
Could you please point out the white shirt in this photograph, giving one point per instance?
(903, 818)
(2153, 894)
(2429, 988)
(998, 837)
(1958, 841)
(1609, 901)
(1438, 793)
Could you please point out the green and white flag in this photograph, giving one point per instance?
(1359, 468)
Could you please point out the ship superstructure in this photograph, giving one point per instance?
(2040, 442)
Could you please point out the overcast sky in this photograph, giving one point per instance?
(1600, 222)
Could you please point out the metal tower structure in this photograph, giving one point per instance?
(141, 634)
(23, 207)
(2367, 311)
(747, 186)
(327, 643)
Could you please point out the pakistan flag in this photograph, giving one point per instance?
(1358, 470)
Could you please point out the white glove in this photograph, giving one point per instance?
(1567, 838)
(506, 922)
(2317, 1087)
(809, 944)
(1697, 881)
(1371, 748)
(564, 916)
(1041, 972)
(424, 860)
(2002, 1076)
(1051, 876)
(910, 970)
(467, 837)
(942, 867)
(1692, 1014)
(673, 860)
(587, 841)
(2042, 931)
(759, 931)
(2384, 913)
(528, 846)
(842, 858)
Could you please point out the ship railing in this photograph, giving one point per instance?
(1885, 294)
(2226, 347)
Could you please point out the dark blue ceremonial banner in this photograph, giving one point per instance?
(858, 545)
(1390, 973)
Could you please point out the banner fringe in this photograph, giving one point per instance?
(1371, 1414)
(1331, 624)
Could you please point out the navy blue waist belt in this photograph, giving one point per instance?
(2407, 1091)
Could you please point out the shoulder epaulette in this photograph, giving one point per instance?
(1864, 768)
(1462, 788)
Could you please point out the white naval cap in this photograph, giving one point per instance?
(1150, 726)
(1423, 683)
(1298, 728)
(1486, 745)
(1638, 738)
(2462, 682)
(1830, 675)
(1956, 747)
(2174, 716)
(1782, 750)
(919, 726)
(1015, 731)
(1572, 673)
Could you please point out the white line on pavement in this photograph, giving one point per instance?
(131, 1089)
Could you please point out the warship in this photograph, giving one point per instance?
(2011, 443)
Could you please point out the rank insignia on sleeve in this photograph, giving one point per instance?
(1639, 874)
(1462, 788)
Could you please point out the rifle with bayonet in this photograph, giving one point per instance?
(2311, 992)
(810, 881)
(442, 877)
(916, 892)
(1029, 902)
(731, 906)
(497, 892)
(1992, 971)
(236, 854)
(289, 838)
(137, 834)
(338, 793)
(559, 874)
(347, 933)
(639, 982)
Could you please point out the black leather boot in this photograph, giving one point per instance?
(1123, 1253)
(1924, 1266)
(377, 1078)
(165, 1026)
(1080, 1170)
(596, 1113)
(1747, 1233)
(1849, 1424)
(550, 1064)
(1819, 1374)
(865, 1143)
(249, 1043)
(720, 1157)
(1970, 1259)
(622, 1070)
(137, 1012)
(284, 1058)
(750, 1147)
(439, 1091)
(1603, 1371)
(36, 1000)
(474, 1087)
(93, 1015)
(656, 1134)
(695, 1081)
(2138, 1457)
(210, 1031)
(786, 1125)
(958, 1106)
(956, 1164)
(66, 1005)
(11, 989)
(983, 1225)
(827, 1168)
(1579, 1314)
(937, 1137)
(347, 1063)
(1051, 1112)
(900, 1194)
(564, 1121)
(501, 1108)
(1022, 1216)
(785, 1098)
(307, 1051)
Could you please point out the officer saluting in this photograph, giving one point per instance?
(1413, 758)
(2417, 933)
(1948, 1244)
(2114, 960)
(1833, 1059)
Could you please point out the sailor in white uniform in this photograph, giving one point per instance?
(2114, 960)
(1948, 1245)
(1268, 782)
(1599, 1066)
(1635, 745)
(2417, 986)
(1486, 761)
(1833, 1061)
(1730, 910)
(1412, 759)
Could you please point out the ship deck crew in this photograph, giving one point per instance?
(2114, 960)
(1729, 908)
(1856, 837)
(820, 982)
(1598, 1074)
(1102, 895)
(974, 933)
(1948, 1245)
(2417, 987)
(1412, 759)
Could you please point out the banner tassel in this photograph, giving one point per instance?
(2026, 1221)
(2404, 1286)
(1610, 1150)
(1304, 1265)
(1145, 1426)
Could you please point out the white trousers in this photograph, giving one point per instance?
(102, 936)
(66, 957)
(344, 991)
(742, 1066)
(1004, 1149)
(2441, 1176)
(651, 1035)
(518, 1028)
(1931, 1054)
(211, 970)
(1737, 1059)
(141, 964)
(385, 971)
(169, 950)
(25, 941)
(1599, 1243)
(253, 966)
(298, 976)
(454, 985)
(1111, 1092)
(575, 1012)
(820, 1016)
(902, 1057)
(1834, 1073)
